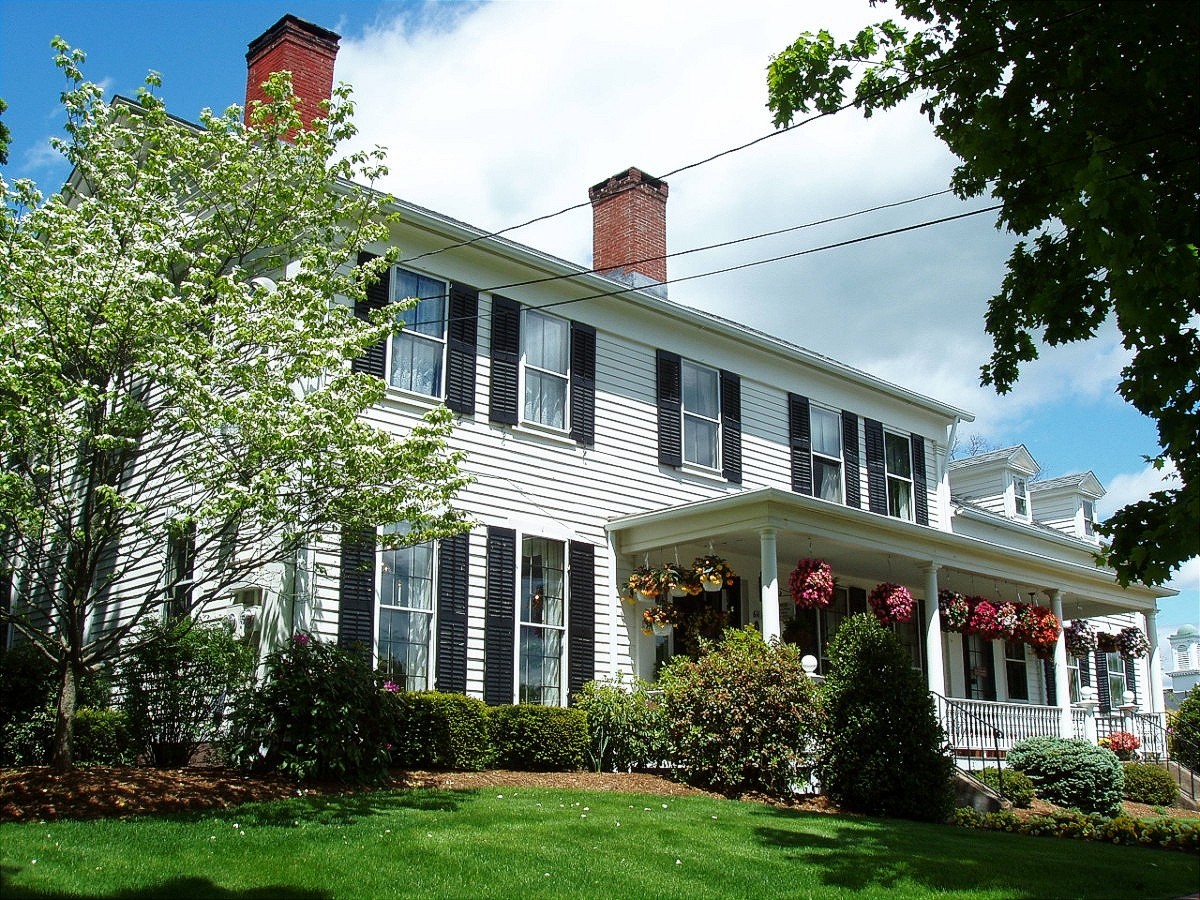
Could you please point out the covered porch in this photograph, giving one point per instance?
(990, 694)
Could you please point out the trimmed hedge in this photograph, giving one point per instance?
(1148, 783)
(1169, 834)
(1072, 772)
(532, 738)
(1013, 784)
(433, 730)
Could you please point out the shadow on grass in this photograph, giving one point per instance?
(868, 854)
(173, 888)
(331, 809)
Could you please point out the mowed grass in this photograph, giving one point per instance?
(554, 843)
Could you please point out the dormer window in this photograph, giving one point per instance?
(1089, 520)
(1021, 498)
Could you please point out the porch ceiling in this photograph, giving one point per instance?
(860, 545)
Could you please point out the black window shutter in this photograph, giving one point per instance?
(454, 560)
(920, 489)
(504, 405)
(1051, 684)
(1085, 672)
(583, 384)
(731, 427)
(669, 383)
(1103, 692)
(374, 359)
(581, 617)
(1131, 678)
(876, 474)
(356, 591)
(500, 616)
(800, 439)
(850, 458)
(462, 338)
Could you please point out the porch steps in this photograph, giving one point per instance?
(1188, 782)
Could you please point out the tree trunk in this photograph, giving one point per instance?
(64, 723)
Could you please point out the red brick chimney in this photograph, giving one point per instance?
(302, 48)
(629, 225)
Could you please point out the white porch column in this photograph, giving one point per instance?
(769, 566)
(1062, 683)
(1154, 701)
(936, 665)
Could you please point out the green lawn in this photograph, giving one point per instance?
(542, 842)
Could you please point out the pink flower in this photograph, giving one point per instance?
(391, 687)
(301, 639)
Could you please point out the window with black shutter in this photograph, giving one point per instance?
(373, 361)
(581, 618)
(356, 591)
(499, 643)
(453, 596)
(800, 440)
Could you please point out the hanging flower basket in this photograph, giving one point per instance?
(1106, 643)
(658, 620)
(983, 619)
(1132, 644)
(713, 573)
(1007, 620)
(675, 581)
(811, 583)
(954, 609)
(1040, 629)
(1080, 638)
(645, 583)
(891, 603)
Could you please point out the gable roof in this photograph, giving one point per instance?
(1018, 458)
(1085, 483)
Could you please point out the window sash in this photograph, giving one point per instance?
(1074, 681)
(701, 408)
(542, 615)
(418, 353)
(1021, 497)
(404, 630)
(1089, 518)
(898, 465)
(546, 360)
(1016, 670)
(1117, 685)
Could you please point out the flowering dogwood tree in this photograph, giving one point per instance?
(178, 405)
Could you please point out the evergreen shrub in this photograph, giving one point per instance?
(1072, 772)
(1149, 783)
(432, 730)
(742, 716)
(321, 712)
(626, 728)
(882, 742)
(1185, 731)
(102, 737)
(27, 695)
(533, 738)
(1012, 784)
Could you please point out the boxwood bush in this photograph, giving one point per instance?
(432, 730)
(1148, 783)
(626, 729)
(533, 738)
(743, 716)
(1012, 784)
(1072, 772)
(882, 742)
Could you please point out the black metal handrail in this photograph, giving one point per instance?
(1172, 743)
(946, 709)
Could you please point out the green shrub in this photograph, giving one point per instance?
(1185, 731)
(433, 730)
(741, 717)
(882, 742)
(102, 737)
(1148, 783)
(177, 678)
(28, 689)
(626, 728)
(1168, 834)
(1072, 772)
(1012, 784)
(534, 738)
(321, 712)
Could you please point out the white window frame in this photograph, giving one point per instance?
(527, 367)
(899, 479)
(525, 619)
(821, 457)
(1020, 498)
(1117, 671)
(1089, 518)
(696, 416)
(1012, 662)
(438, 342)
(1074, 680)
(411, 682)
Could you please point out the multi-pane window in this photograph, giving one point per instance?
(1116, 679)
(543, 624)
(1016, 671)
(1089, 518)
(547, 355)
(1074, 683)
(826, 428)
(181, 568)
(898, 460)
(419, 351)
(406, 615)
(701, 415)
(1021, 497)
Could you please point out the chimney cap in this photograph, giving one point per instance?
(631, 177)
(290, 22)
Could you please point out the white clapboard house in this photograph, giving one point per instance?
(607, 426)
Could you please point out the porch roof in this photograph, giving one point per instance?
(861, 544)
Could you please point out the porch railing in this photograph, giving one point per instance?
(969, 735)
(1146, 727)
(1013, 722)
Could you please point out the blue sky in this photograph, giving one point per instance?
(495, 113)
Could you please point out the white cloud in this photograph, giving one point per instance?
(1134, 486)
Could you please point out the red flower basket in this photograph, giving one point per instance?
(891, 603)
(811, 583)
(983, 619)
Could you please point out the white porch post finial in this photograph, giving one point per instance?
(769, 566)
(1155, 700)
(1062, 682)
(933, 632)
